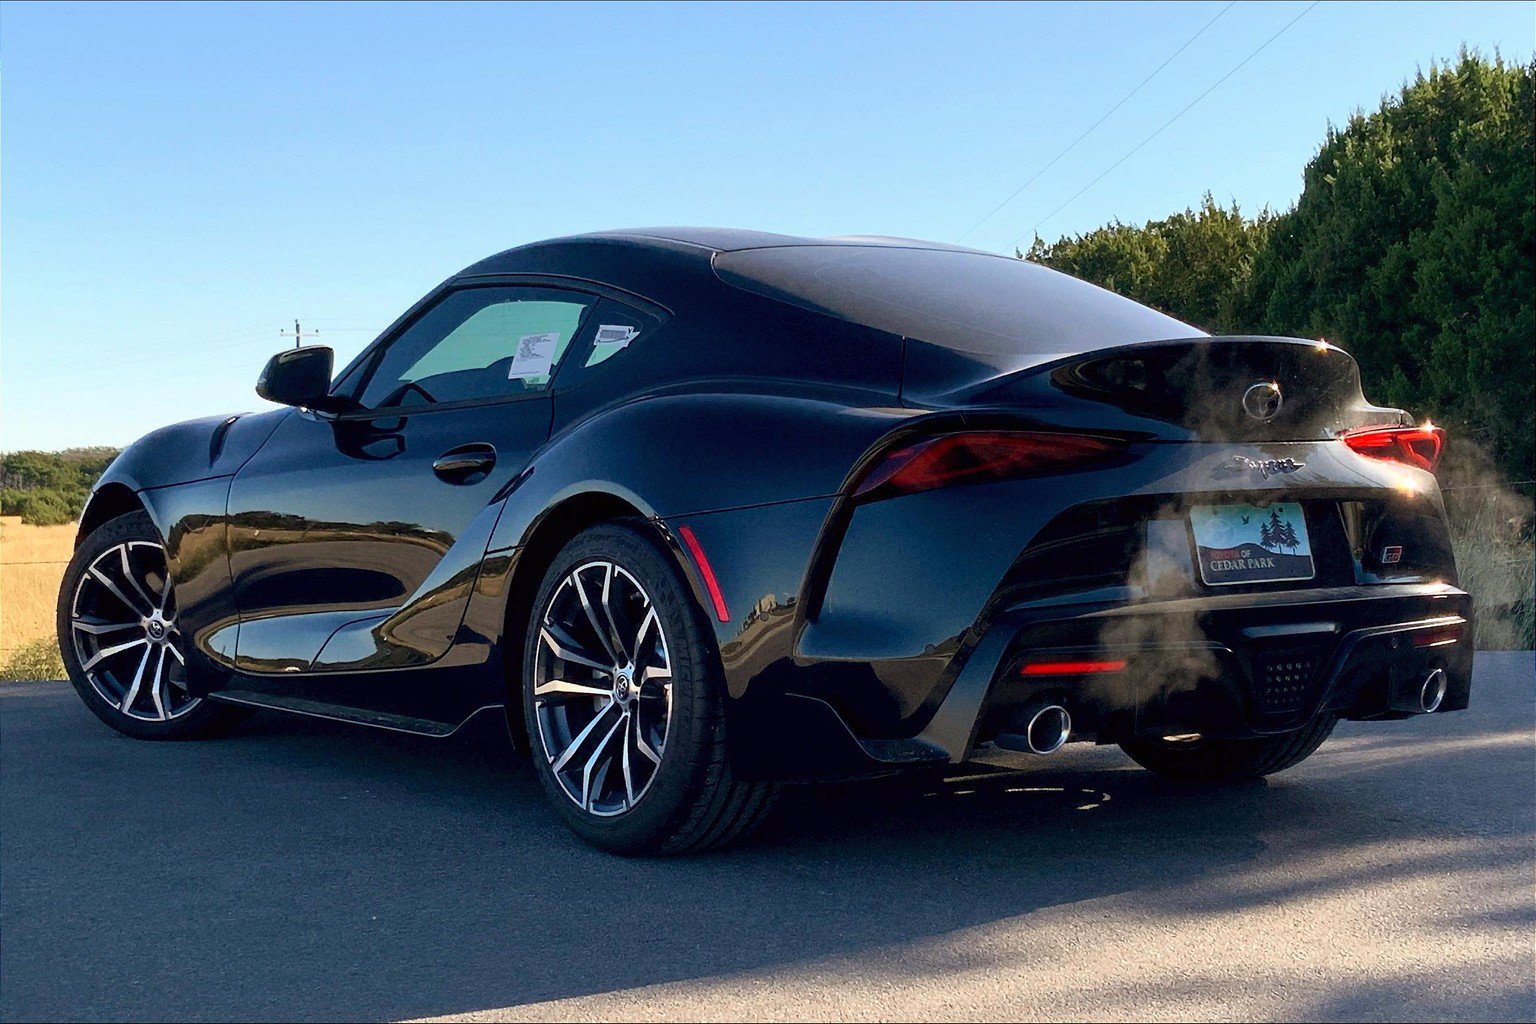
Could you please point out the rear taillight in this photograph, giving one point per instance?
(977, 457)
(1419, 447)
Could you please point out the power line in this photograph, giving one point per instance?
(182, 355)
(1166, 124)
(1095, 124)
(158, 356)
(188, 347)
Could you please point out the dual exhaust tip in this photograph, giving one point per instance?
(1045, 731)
(1050, 726)
(1432, 693)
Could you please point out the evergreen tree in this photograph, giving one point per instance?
(1413, 245)
(1193, 265)
(1275, 527)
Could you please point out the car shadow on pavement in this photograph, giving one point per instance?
(301, 870)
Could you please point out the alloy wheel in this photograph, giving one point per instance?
(123, 627)
(602, 688)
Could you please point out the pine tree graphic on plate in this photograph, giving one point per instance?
(1269, 533)
(1286, 536)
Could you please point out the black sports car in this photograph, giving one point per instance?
(704, 511)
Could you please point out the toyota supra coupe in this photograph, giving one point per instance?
(702, 512)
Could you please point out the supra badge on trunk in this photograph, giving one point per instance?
(1266, 468)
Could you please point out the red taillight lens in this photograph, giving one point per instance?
(980, 456)
(1413, 446)
(1085, 667)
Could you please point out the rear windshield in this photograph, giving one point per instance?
(965, 301)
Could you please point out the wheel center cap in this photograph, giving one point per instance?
(156, 629)
(623, 685)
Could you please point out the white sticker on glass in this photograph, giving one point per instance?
(535, 355)
(617, 335)
(611, 339)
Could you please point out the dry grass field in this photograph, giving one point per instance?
(32, 560)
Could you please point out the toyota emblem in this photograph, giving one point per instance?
(1262, 400)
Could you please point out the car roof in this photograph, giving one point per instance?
(979, 313)
(708, 240)
(738, 239)
(958, 298)
(670, 258)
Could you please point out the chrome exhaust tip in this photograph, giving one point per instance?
(1432, 693)
(1048, 729)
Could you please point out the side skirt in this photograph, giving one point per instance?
(351, 716)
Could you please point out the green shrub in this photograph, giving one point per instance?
(42, 507)
(1196, 265)
(34, 660)
(50, 488)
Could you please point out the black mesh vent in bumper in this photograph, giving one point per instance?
(1286, 680)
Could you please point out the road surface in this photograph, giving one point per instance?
(300, 870)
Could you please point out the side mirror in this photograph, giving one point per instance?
(298, 376)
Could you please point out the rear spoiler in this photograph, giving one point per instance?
(1251, 388)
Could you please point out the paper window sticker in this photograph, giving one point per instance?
(615, 335)
(535, 355)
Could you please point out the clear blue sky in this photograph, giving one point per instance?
(180, 182)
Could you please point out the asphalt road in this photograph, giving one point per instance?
(299, 870)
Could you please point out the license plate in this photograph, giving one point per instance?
(1251, 543)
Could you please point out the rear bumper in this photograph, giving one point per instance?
(1233, 666)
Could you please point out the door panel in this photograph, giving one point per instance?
(342, 520)
(347, 528)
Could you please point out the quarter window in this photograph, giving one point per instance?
(603, 350)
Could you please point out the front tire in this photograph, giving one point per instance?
(1218, 760)
(624, 702)
(119, 638)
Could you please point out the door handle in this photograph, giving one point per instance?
(466, 464)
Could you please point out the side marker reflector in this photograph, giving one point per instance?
(1071, 668)
(1435, 637)
(710, 583)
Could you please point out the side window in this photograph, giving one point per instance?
(607, 343)
(478, 344)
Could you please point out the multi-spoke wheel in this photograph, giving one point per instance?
(123, 625)
(602, 688)
(119, 637)
(624, 703)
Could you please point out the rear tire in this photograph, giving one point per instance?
(1216, 760)
(120, 642)
(627, 730)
